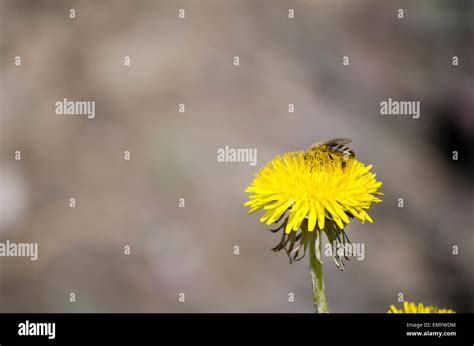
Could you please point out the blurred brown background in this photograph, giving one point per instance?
(173, 155)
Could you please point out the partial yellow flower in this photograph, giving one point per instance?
(412, 308)
(317, 186)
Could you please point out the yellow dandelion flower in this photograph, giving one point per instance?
(316, 186)
(412, 308)
(314, 191)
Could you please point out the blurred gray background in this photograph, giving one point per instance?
(173, 155)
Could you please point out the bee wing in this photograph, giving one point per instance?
(337, 141)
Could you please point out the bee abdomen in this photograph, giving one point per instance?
(341, 149)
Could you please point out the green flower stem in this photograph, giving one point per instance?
(316, 267)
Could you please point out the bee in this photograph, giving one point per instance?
(336, 146)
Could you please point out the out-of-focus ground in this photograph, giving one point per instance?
(173, 155)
